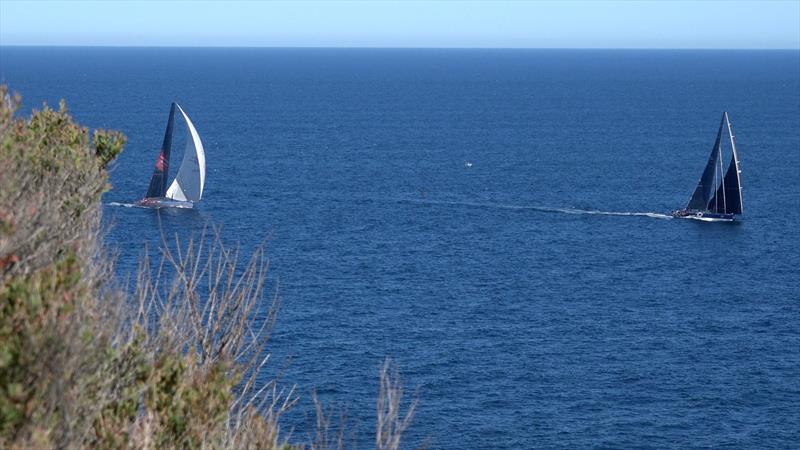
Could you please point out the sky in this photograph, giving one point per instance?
(505, 24)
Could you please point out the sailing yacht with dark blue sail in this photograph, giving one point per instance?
(186, 188)
(718, 195)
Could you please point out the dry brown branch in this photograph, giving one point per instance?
(323, 439)
(391, 423)
(203, 301)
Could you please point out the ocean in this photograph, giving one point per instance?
(495, 221)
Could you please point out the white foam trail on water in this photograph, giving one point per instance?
(502, 206)
(611, 213)
(653, 215)
(124, 205)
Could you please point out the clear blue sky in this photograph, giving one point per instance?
(541, 24)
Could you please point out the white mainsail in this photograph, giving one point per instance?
(188, 183)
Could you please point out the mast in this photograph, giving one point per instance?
(722, 180)
(735, 161)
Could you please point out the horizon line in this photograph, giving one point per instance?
(357, 47)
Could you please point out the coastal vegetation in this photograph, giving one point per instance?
(176, 362)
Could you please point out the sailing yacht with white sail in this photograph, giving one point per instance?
(186, 188)
(718, 196)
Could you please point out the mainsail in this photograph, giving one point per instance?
(188, 183)
(715, 192)
(705, 187)
(158, 182)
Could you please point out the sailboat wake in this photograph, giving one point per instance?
(610, 213)
(653, 215)
(124, 205)
(160, 204)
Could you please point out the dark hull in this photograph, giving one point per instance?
(705, 216)
(161, 202)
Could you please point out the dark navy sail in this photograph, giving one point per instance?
(158, 182)
(727, 199)
(702, 194)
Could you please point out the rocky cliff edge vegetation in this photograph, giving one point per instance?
(85, 364)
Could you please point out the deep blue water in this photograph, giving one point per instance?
(520, 326)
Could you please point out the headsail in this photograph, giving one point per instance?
(188, 183)
(705, 187)
(158, 182)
